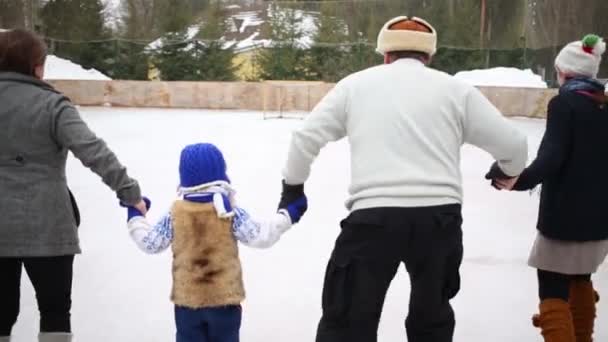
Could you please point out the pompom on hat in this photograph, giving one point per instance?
(582, 58)
(407, 34)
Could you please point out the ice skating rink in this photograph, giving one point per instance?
(121, 294)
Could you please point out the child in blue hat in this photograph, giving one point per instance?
(203, 228)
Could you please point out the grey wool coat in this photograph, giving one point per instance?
(38, 126)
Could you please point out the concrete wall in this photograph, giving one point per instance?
(260, 96)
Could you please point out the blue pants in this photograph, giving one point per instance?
(221, 324)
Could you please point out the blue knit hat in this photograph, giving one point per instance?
(201, 164)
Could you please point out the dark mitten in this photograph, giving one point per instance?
(297, 208)
(290, 194)
(496, 173)
(132, 211)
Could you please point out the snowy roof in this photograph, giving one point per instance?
(502, 77)
(246, 28)
(249, 18)
(190, 34)
(62, 69)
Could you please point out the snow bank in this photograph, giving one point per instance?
(62, 69)
(502, 77)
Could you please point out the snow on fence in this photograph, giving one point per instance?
(259, 96)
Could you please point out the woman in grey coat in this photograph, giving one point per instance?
(39, 218)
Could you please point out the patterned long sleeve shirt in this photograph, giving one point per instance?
(246, 229)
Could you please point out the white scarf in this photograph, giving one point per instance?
(217, 189)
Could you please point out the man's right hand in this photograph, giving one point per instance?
(499, 179)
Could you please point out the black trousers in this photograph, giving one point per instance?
(368, 252)
(557, 285)
(52, 281)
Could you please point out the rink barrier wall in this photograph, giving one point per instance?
(271, 96)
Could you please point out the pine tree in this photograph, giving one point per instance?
(215, 60)
(327, 59)
(79, 26)
(204, 58)
(12, 14)
(176, 59)
(172, 15)
(285, 58)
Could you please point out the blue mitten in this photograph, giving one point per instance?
(297, 208)
(133, 212)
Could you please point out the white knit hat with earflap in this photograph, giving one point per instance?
(390, 40)
(581, 58)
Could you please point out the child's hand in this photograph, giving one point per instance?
(140, 209)
(297, 208)
(290, 194)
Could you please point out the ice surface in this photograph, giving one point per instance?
(501, 76)
(62, 69)
(120, 294)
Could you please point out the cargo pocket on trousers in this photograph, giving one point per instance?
(452, 226)
(337, 289)
(452, 285)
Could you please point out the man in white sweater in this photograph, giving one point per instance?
(405, 124)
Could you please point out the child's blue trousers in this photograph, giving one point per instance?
(219, 324)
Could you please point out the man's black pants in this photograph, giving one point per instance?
(52, 281)
(367, 254)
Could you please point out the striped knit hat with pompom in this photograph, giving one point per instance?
(581, 58)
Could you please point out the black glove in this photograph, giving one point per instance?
(496, 173)
(290, 194)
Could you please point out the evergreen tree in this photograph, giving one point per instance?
(216, 59)
(284, 59)
(12, 14)
(204, 58)
(327, 59)
(172, 15)
(176, 59)
(128, 62)
(78, 32)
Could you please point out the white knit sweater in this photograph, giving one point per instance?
(405, 124)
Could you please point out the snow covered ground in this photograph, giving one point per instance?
(504, 77)
(62, 69)
(120, 294)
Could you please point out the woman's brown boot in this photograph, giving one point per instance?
(555, 321)
(582, 305)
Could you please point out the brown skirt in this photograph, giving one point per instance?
(567, 257)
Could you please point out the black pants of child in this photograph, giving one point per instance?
(557, 285)
(368, 252)
(52, 281)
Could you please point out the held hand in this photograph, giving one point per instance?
(290, 194)
(139, 209)
(143, 206)
(297, 208)
(506, 184)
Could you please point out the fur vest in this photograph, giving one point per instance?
(206, 265)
